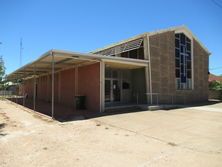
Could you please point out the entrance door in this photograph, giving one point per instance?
(112, 90)
(107, 90)
(116, 90)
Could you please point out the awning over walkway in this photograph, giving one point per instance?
(56, 60)
(65, 59)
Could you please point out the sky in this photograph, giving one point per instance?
(86, 25)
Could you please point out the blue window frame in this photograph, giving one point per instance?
(183, 60)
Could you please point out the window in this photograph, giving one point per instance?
(188, 56)
(189, 74)
(132, 49)
(133, 54)
(182, 39)
(183, 61)
(124, 54)
(188, 65)
(125, 85)
(177, 73)
(177, 35)
(108, 73)
(114, 73)
(188, 47)
(140, 53)
(177, 52)
(111, 73)
(177, 63)
(177, 43)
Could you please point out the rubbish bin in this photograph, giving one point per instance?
(80, 102)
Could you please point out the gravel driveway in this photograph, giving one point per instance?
(180, 137)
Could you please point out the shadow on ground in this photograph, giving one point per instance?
(2, 126)
(65, 114)
(137, 109)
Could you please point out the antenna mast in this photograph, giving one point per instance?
(21, 48)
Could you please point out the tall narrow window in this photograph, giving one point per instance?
(183, 61)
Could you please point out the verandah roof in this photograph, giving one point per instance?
(66, 59)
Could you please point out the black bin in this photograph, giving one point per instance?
(80, 102)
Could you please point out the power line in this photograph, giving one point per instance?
(21, 49)
(217, 2)
(216, 68)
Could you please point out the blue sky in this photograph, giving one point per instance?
(85, 25)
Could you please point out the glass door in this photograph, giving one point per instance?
(116, 90)
(112, 90)
(107, 90)
(112, 86)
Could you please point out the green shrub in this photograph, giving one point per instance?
(215, 85)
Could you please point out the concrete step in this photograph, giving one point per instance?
(122, 109)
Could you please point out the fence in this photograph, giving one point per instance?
(6, 92)
(158, 98)
(215, 94)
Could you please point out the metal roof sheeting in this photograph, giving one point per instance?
(64, 60)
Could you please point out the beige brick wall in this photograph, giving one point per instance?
(162, 55)
(201, 65)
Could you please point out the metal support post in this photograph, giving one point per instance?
(102, 85)
(34, 90)
(150, 75)
(53, 75)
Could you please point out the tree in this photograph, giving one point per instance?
(2, 72)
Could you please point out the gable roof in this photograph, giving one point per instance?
(182, 28)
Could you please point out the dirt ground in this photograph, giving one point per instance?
(181, 137)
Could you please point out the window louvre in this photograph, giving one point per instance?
(132, 45)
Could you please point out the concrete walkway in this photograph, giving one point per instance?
(180, 137)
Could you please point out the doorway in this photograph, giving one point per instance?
(112, 90)
(124, 87)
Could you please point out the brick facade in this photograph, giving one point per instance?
(64, 92)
